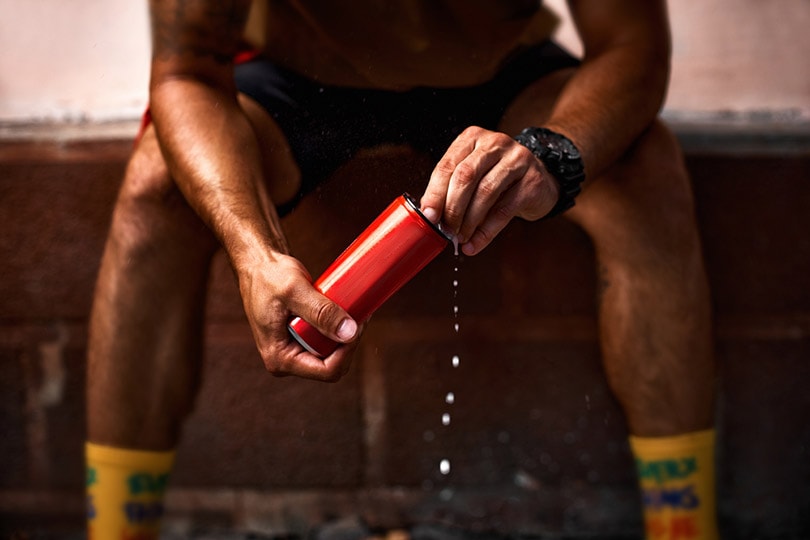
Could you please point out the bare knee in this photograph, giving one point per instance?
(654, 304)
(643, 206)
(144, 349)
(151, 216)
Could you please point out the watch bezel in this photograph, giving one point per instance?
(561, 158)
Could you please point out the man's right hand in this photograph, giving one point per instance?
(275, 291)
(214, 156)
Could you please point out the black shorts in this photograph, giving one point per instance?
(326, 125)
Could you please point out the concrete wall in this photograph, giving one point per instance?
(542, 450)
(73, 60)
(537, 442)
(87, 59)
(734, 59)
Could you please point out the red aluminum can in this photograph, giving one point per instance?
(393, 249)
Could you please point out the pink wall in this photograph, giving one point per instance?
(746, 57)
(87, 60)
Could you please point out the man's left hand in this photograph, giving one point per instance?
(484, 180)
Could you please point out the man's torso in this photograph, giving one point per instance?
(397, 44)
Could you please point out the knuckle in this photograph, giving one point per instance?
(445, 166)
(277, 367)
(326, 312)
(464, 174)
(286, 285)
(502, 140)
(275, 361)
(488, 189)
(453, 215)
(473, 131)
(523, 153)
(504, 212)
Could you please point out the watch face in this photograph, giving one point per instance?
(570, 149)
(567, 148)
(561, 146)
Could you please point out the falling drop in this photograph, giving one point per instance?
(450, 398)
(455, 327)
(456, 360)
(444, 466)
(446, 419)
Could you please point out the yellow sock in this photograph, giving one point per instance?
(676, 476)
(125, 492)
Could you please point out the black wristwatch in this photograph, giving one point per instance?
(561, 158)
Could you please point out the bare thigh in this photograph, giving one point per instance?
(145, 346)
(282, 174)
(655, 321)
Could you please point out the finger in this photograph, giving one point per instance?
(326, 316)
(329, 369)
(433, 200)
(496, 220)
(497, 181)
(297, 362)
(464, 185)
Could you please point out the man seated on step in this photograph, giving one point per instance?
(516, 128)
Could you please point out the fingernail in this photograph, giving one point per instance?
(347, 329)
(431, 214)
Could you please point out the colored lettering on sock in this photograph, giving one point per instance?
(676, 480)
(125, 490)
(683, 498)
(668, 469)
(141, 483)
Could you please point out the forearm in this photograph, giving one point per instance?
(620, 87)
(213, 155)
(206, 139)
(606, 106)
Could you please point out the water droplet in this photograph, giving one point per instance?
(450, 398)
(444, 466)
(446, 419)
(455, 283)
(455, 327)
(456, 360)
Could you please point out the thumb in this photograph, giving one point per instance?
(330, 319)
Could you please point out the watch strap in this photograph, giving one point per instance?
(561, 158)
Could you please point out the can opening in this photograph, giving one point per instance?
(413, 203)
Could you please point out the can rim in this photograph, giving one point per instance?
(301, 341)
(415, 206)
